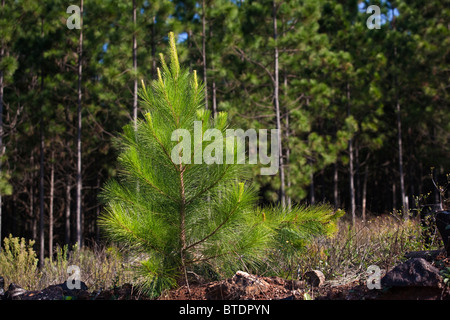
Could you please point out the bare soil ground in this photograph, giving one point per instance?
(337, 289)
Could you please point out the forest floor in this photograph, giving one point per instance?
(344, 288)
(244, 286)
(342, 262)
(350, 287)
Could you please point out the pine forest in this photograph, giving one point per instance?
(171, 143)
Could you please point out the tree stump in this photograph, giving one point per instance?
(314, 278)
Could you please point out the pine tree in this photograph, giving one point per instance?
(306, 111)
(7, 67)
(79, 180)
(192, 216)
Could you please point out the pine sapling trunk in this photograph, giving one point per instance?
(183, 226)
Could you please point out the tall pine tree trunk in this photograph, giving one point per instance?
(277, 106)
(400, 145)
(2, 52)
(32, 199)
(41, 195)
(153, 47)
(357, 176)
(312, 195)
(352, 183)
(399, 128)
(288, 150)
(67, 213)
(214, 98)
(351, 170)
(205, 77)
(400, 159)
(41, 168)
(394, 197)
(135, 84)
(50, 211)
(336, 185)
(364, 193)
(213, 85)
(97, 211)
(79, 178)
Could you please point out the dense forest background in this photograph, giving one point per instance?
(363, 113)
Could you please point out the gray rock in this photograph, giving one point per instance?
(415, 272)
(53, 292)
(49, 293)
(443, 225)
(72, 292)
(2, 287)
(429, 255)
(14, 292)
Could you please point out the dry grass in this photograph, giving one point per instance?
(100, 267)
(381, 241)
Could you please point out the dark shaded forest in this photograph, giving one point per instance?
(363, 113)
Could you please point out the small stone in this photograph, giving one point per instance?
(249, 279)
(14, 292)
(250, 284)
(297, 284)
(124, 292)
(2, 286)
(241, 284)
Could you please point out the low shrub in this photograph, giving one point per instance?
(100, 267)
(18, 262)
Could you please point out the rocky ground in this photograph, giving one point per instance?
(419, 278)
